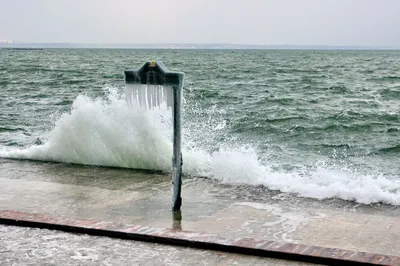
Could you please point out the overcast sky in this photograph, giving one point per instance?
(300, 22)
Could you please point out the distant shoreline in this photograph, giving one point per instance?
(21, 48)
(184, 46)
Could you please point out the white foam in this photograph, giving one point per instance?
(105, 131)
(241, 166)
(283, 221)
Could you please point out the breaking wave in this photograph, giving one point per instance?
(104, 131)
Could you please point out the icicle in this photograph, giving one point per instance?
(148, 96)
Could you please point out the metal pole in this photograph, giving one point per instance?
(177, 155)
(153, 73)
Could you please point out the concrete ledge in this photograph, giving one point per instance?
(248, 246)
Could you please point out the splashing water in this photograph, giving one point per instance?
(106, 131)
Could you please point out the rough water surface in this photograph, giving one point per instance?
(318, 124)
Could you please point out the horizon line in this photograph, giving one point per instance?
(188, 45)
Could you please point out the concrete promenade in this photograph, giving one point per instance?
(241, 215)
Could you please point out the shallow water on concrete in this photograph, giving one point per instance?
(28, 246)
(144, 197)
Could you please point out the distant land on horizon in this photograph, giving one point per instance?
(21, 45)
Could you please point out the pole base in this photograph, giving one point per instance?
(177, 204)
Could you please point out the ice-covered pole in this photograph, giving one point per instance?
(155, 73)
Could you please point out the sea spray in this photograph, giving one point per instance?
(105, 131)
(241, 166)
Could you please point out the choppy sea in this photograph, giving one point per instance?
(316, 124)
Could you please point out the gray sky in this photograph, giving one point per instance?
(301, 22)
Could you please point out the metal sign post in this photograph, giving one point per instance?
(168, 88)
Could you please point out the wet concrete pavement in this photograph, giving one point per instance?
(140, 197)
(29, 246)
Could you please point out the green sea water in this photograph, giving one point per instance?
(318, 124)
